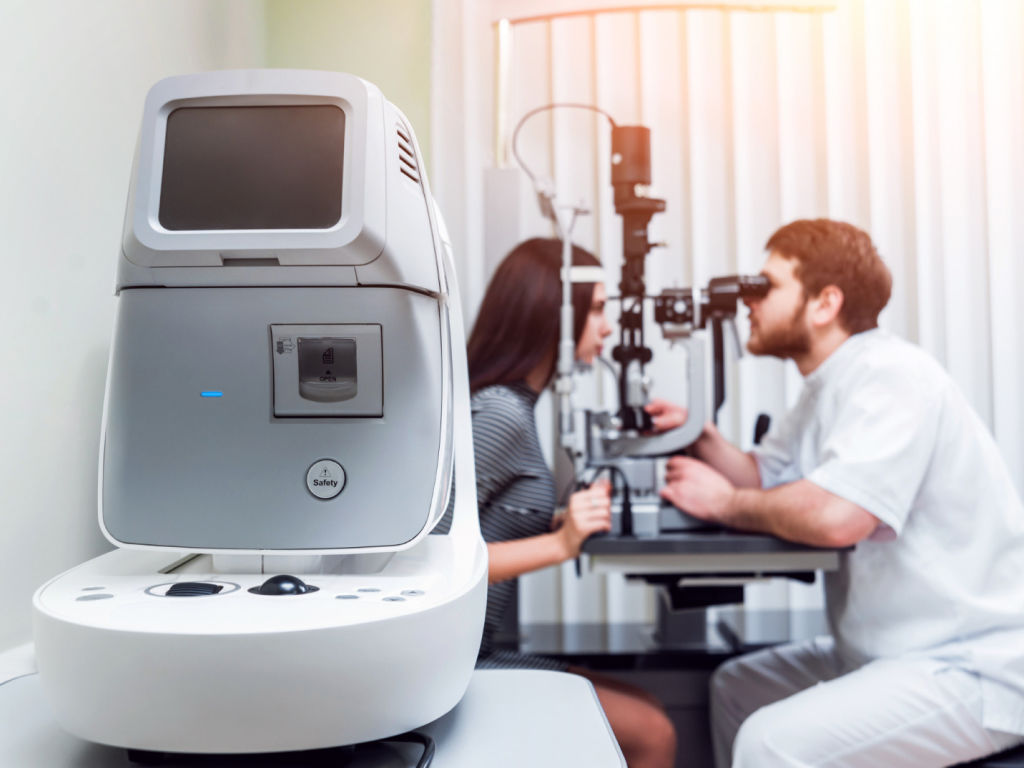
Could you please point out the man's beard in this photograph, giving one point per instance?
(790, 341)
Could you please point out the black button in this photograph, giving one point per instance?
(283, 585)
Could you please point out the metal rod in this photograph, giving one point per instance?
(502, 70)
(824, 7)
(566, 219)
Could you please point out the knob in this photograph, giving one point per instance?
(283, 585)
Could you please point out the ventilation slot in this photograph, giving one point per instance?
(234, 261)
(407, 156)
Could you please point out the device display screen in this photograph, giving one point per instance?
(269, 167)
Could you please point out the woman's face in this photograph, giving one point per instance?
(595, 330)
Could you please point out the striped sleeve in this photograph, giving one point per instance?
(498, 432)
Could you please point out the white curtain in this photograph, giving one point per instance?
(904, 117)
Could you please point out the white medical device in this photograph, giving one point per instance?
(286, 419)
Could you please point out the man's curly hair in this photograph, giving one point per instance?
(836, 253)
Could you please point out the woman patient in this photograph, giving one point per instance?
(512, 355)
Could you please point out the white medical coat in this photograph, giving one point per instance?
(882, 425)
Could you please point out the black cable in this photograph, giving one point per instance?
(626, 529)
(531, 113)
(415, 737)
(611, 467)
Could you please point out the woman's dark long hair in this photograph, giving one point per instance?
(517, 326)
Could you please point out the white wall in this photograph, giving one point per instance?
(73, 76)
(385, 41)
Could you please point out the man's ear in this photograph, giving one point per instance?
(826, 305)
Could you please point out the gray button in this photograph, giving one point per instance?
(394, 599)
(92, 597)
(92, 589)
(368, 589)
(325, 478)
(346, 597)
(412, 592)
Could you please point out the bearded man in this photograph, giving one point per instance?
(882, 453)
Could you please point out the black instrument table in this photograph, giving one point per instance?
(718, 553)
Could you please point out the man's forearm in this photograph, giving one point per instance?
(739, 467)
(801, 512)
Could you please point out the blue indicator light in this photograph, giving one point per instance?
(211, 394)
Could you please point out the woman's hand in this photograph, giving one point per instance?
(665, 415)
(589, 512)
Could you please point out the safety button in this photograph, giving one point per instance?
(325, 479)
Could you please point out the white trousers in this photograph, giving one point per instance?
(800, 705)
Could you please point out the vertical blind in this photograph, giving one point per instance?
(903, 117)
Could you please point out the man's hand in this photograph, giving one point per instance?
(665, 415)
(699, 490)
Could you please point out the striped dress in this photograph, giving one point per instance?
(515, 496)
